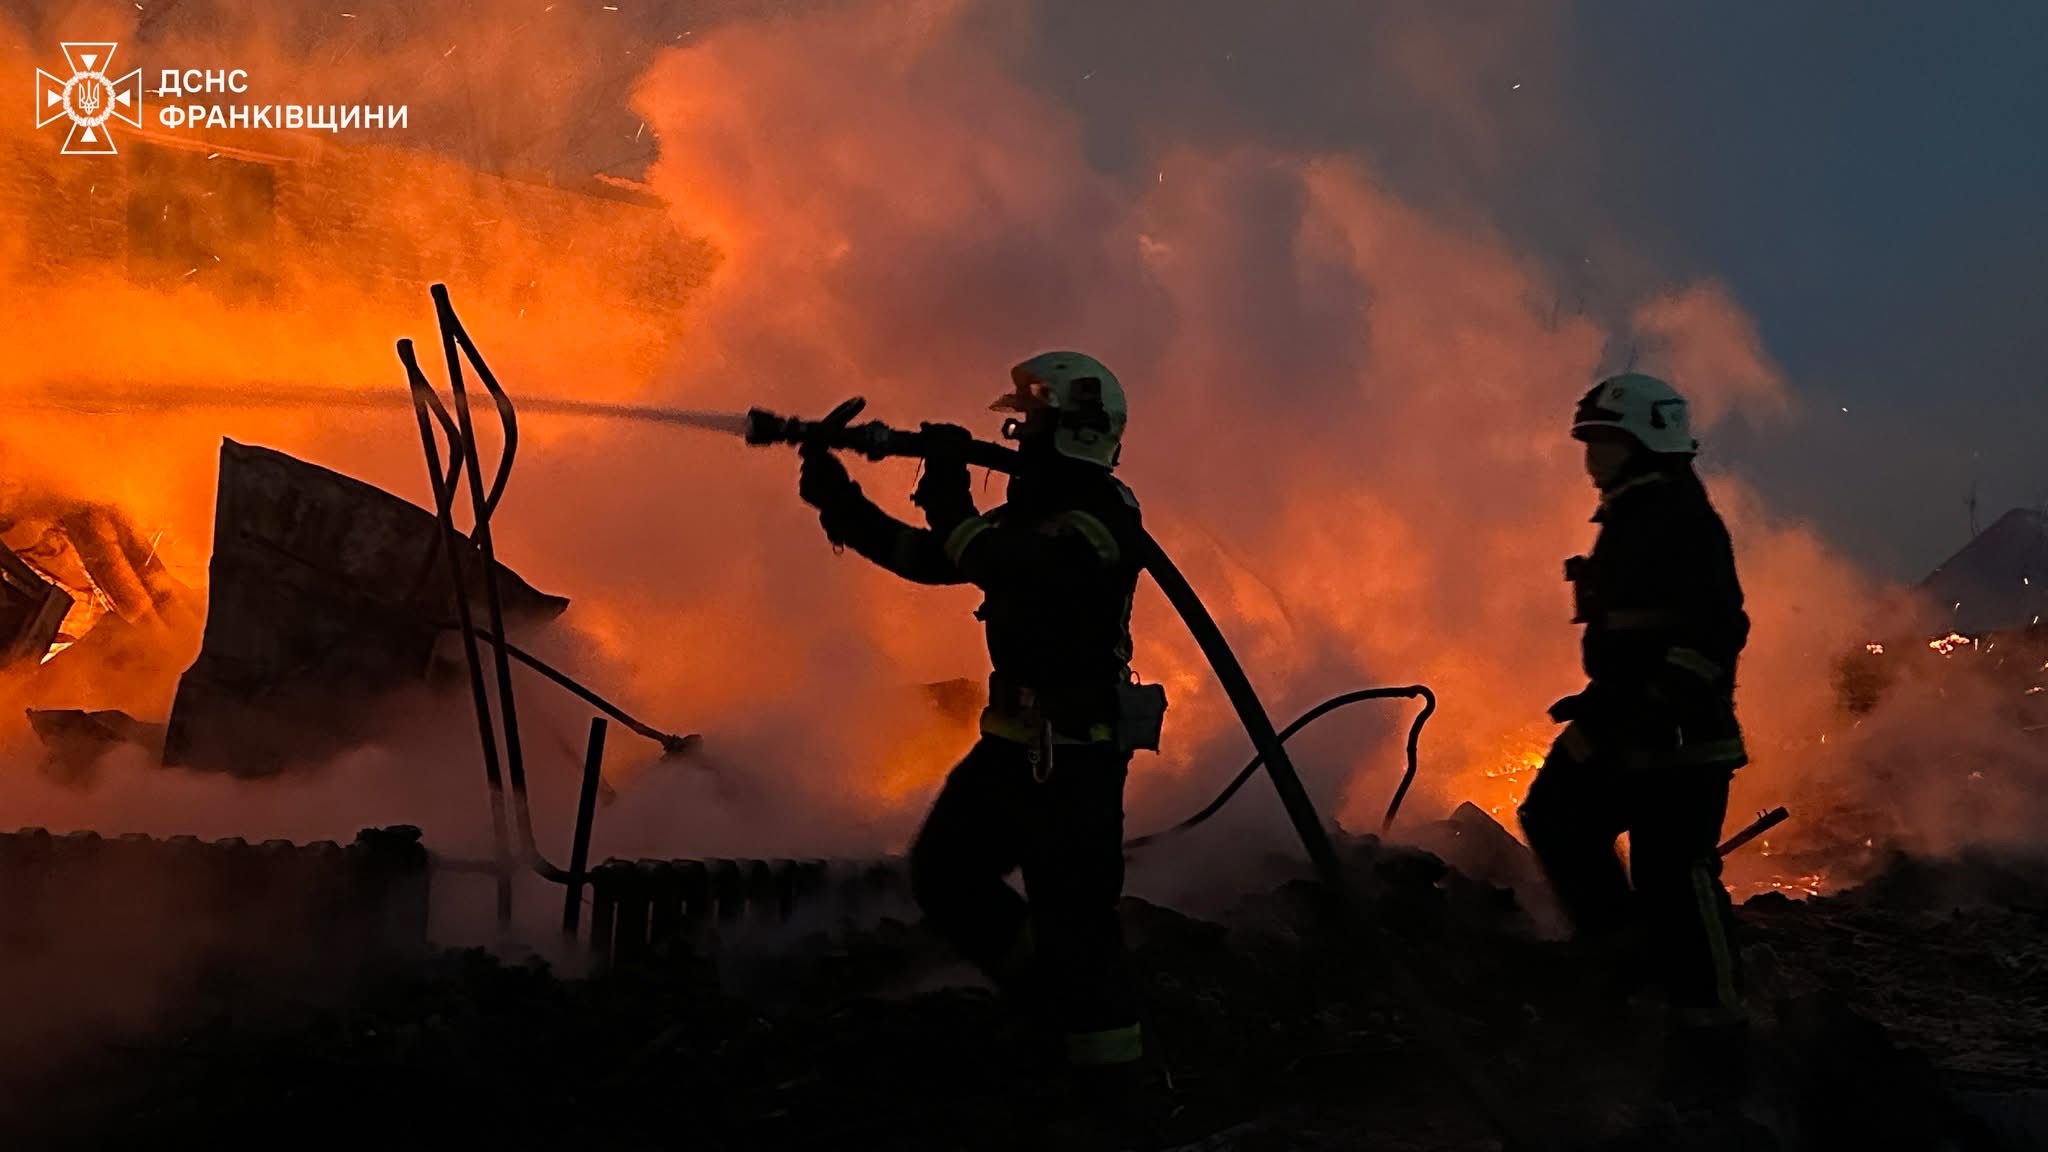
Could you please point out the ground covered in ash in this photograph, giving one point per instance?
(1910, 1013)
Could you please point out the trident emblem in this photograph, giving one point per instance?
(89, 98)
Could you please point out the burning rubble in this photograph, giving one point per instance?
(35, 609)
(323, 597)
(69, 567)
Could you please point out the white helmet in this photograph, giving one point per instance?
(1644, 407)
(1080, 394)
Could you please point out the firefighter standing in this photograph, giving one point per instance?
(1042, 790)
(1651, 745)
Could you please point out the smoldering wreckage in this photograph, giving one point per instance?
(1391, 995)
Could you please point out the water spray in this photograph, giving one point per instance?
(91, 397)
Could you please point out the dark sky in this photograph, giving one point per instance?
(1871, 181)
(1873, 184)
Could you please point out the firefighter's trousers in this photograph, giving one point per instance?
(1591, 790)
(1059, 820)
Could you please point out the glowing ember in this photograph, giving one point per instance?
(1527, 760)
(1951, 642)
(1803, 886)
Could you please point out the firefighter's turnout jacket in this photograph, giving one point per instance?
(1664, 621)
(1058, 564)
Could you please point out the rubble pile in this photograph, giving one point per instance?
(1908, 1014)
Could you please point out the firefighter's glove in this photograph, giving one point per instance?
(823, 483)
(944, 491)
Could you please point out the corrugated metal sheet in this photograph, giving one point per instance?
(325, 594)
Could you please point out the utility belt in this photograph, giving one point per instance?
(1017, 712)
(1600, 726)
(1584, 744)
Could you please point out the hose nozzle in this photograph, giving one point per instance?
(765, 427)
(872, 439)
(836, 432)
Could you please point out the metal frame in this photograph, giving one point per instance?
(503, 762)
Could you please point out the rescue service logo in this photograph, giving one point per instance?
(89, 98)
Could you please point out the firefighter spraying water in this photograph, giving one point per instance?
(1042, 790)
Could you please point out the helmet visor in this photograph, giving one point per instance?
(1030, 395)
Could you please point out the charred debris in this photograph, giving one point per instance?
(1905, 1014)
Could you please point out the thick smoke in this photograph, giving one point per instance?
(1348, 410)
(1347, 413)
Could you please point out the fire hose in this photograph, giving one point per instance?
(1258, 760)
(1438, 1030)
(878, 441)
